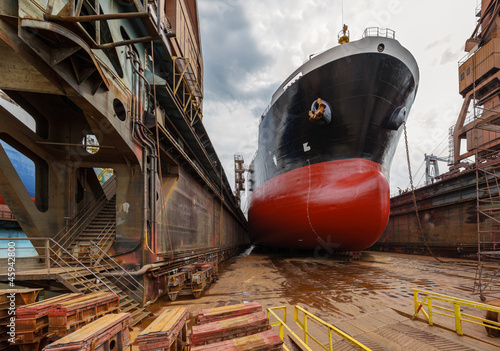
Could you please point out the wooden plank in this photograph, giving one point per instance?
(111, 328)
(229, 328)
(218, 313)
(164, 330)
(267, 341)
(32, 322)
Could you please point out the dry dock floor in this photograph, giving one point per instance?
(370, 299)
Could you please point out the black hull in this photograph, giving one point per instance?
(370, 94)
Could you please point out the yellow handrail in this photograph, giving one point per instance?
(455, 313)
(281, 323)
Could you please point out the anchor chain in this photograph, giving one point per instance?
(420, 229)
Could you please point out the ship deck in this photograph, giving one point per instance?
(370, 299)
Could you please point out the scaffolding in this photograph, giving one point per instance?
(479, 125)
(487, 164)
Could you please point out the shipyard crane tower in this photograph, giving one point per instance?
(479, 125)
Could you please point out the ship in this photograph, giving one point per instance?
(320, 176)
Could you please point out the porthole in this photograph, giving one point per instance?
(119, 109)
(380, 47)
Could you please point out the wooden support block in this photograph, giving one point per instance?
(68, 316)
(165, 330)
(32, 321)
(268, 340)
(110, 332)
(229, 328)
(218, 313)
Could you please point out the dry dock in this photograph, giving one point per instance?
(371, 299)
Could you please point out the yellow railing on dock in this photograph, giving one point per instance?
(455, 312)
(303, 325)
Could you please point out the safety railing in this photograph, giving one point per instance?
(118, 275)
(455, 312)
(379, 32)
(77, 271)
(303, 324)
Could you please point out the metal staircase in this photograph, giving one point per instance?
(101, 231)
(77, 256)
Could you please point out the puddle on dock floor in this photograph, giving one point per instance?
(334, 290)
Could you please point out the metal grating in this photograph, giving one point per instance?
(412, 338)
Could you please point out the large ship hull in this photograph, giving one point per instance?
(325, 184)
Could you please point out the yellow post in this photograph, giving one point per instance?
(305, 329)
(330, 340)
(415, 300)
(429, 310)
(458, 319)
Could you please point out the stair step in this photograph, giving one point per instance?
(138, 317)
(128, 307)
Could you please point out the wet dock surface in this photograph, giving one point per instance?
(370, 299)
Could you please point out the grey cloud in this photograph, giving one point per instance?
(230, 53)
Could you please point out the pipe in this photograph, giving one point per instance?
(149, 143)
(92, 18)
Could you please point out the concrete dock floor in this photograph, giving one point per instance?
(371, 299)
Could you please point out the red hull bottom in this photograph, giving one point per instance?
(338, 205)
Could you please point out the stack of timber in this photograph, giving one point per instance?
(241, 327)
(268, 340)
(167, 332)
(9, 297)
(32, 321)
(229, 328)
(225, 312)
(68, 316)
(110, 332)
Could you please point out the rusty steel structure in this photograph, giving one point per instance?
(460, 213)
(115, 85)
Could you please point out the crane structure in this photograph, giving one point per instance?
(432, 167)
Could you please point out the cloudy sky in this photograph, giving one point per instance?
(251, 46)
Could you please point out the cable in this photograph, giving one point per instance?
(420, 229)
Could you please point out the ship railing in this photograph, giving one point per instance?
(455, 311)
(379, 32)
(302, 318)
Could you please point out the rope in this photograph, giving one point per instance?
(420, 229)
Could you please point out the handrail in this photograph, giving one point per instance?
(303, 326)
(117, 264)
(457, 313)
(80, 263)
(282, 323)
(122, 270)
(83, 214)
(66, 267)
(379, 32)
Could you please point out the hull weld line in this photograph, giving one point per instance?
(307, 209)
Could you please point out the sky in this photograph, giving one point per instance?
(251, 46)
